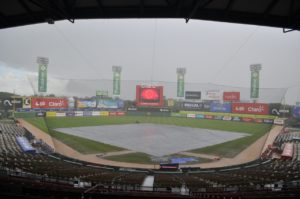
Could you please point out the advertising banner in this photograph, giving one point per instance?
(112, 104)
(199, 116)
(197, 106)
(120, 113)
(231, 96)
(70, 114)
(296, 112)
(26, 102)
(60, 114)
(223, 108)
(95, 113)
(170, 102)
(180, 85)
(254, 91)
(104, 113)
(227, 118)
(85, 103)
(213, 95)
(112, 113)
(250, 108)
(78, 113)
(116, 83)
(268, 121)
(50, 114)
(42, 79)
(193, 95)
(101, 93)
(87, 113)
(40, 114)
(190, 115)
(49, 103)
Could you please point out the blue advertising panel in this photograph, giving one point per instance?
(113, 104)
(296, 112)
(223, 108)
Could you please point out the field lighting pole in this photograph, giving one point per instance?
(117, 80)
(254, 91)
(180, 82)
(42, 79)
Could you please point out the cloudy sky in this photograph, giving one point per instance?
(147, 50)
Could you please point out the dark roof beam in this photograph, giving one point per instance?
(51, 11)
(62, 12)
(26, 7)
(100, 7)
(199, 5)
(179, 7)
(228, 7)
(3, 18)
(142, 7)
(70, 6)
(270, 7)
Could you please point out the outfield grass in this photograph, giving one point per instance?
(228, 149)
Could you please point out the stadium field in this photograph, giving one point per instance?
(227, 149)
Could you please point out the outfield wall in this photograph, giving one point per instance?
(268, 119)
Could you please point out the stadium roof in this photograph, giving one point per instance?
(275, 13)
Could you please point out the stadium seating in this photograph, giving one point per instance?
(265, 177)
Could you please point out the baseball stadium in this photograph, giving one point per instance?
(63, 136)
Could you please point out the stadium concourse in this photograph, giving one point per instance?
(249, 154)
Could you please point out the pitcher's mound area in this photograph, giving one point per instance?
(153, 139)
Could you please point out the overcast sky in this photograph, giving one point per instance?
(149, 49)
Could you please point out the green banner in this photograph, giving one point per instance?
(254, 92)
(117, 83)
(42, 84)
(180, 85)
(101, 93)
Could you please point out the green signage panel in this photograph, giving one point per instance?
(180, 85)
(254, 92)
(42, 80)
(116, 83)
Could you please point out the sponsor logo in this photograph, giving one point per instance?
(191, 115)
(218, 117)
(268, 121)
(246, 119)
(236, 119)
(200, 116)
(227, 118)
(258, 120)
(250, 108)
(208, 117)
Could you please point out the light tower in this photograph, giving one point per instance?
(180, 81)
(254, 91)
(42, 81)
(117, 80)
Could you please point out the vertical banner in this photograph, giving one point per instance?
(42, 84)
(254, 91)
(180, 85)
(254, 84)
(116, 80)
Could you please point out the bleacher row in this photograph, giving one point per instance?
(261, 176)
(289, 137)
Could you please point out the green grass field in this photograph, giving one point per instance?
(228, 149)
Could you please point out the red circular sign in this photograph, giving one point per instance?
(150, 94)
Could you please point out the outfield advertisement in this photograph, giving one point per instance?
(296, 112)
(231, 96)
(113, 104)
(250, 108)
(85, 103)
(197, 106)
(39, 102)
(193, 95)
(214, 95)
(223, 108)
